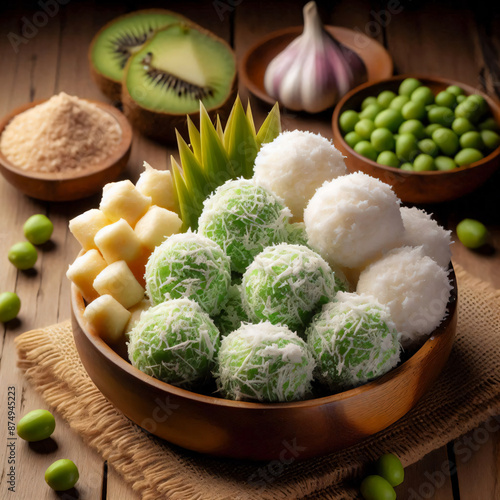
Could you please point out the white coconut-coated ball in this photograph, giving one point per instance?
(295, 164)
(422, 230)
(352, 219)
(414, 287)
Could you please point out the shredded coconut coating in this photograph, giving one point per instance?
(295, 164)
(175, 342)
(422, 230)
(243, 219)
(62, 134)
(232, 314)
(286, 284)
(354, 340)
(352, 219)
(191, 266)
(264, 362)
(414, 287)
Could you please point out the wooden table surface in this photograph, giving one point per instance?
(456, 41)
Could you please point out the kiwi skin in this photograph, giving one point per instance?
(113, 88)
(161, 126)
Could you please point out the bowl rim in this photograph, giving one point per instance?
(469, 89)
(121, 150)
(438, 336)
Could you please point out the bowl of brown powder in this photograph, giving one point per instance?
(64, 148)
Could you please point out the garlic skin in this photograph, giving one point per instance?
(315, 70)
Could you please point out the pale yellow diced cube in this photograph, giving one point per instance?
(122, 200)
(136, 312)
(156, 225)
(118, 241)
(159, 185)
(118, 281)
(108, 318)
(85, 226)
(84, 271)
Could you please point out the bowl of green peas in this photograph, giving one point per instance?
(432, 139)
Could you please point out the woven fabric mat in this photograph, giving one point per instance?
(466, 394)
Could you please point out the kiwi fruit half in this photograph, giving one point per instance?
(113, 45)
(177, 68)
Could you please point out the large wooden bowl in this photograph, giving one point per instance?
(261, 431)
(66, 186)
(416, 187)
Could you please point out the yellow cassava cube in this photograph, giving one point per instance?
(118, 281)
(118, 241)
(122, 200)
(84, 271)
(108, 318)
(156, 225)
(85, 226)
(136, 312)
(158, 184)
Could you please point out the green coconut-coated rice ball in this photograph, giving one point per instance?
(192, 266)
(243, 219)
(353, 340)
(232, 313)
(287, 284)
(175, 341)
(296, 234)
(264, 362)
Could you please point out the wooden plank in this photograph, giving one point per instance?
(117, 488)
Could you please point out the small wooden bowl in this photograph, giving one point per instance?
(261, 431)
(66, 186)
(416, 187)
(254, 63)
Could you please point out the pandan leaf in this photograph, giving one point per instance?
(240, 142)
(271, 127)
(250, 119)
(189, 219)
(220, 130)
(194, 138)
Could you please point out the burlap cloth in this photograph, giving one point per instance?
(466, 394)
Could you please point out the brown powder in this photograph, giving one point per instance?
(62, 134)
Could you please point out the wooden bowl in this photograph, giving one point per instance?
(66, 186)
(254, 63)
(256, 431)
(416, 187)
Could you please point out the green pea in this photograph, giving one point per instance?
(371, 111)
(461, 125)
(347, 120)
(352, 138)
(461, 98)
(406, 147)
(455, 90)
(385, 98)
(444, 163)
(446, 140)
(389, 118)
(407, 166)
(408, 85)
(446, 99)
(367, 101)
(413, 110)
(468, 156)
(62, 475)
(423, 163)
(430, 129)
(390, 468)
(472, 233)
(382, 140)
(441, 115)
(490, 139)
(429, 147)
(480, 101)
(38, 229)
(471, 139)
(398, 102)
(414, 127)
(364, 128)
(430, 106)
(365, 148)
(423, 95)
(23, 255)
(10, 305)
(469, 109)
(377, 488)
(36, 425)
(488, 124)
(388, 158)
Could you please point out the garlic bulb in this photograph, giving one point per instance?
(315, 70)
